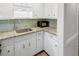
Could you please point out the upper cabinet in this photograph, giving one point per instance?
(6, 11)
(23, 10)
(50, 10)
(37, 10)
(28, 10)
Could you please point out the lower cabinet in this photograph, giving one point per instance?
(32, 45)
(20, 48)
(27, 46)
(7, 51)
(7, 47)
(50, 45)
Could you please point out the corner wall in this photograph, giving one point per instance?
(70, 30)
(60, 29)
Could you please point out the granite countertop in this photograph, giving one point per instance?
(14, 33)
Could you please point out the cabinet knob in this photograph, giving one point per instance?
(0, 45)
(8, 50)
(23, 46)
(29, 44)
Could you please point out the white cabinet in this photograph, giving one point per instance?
(20, 48)
(25, 45)
(22, 10)
(50, 45)
(40, 41)
(7, 47)
(8, 51)
(28, 10)
(6, 11)
(50, 10)
(37, 10)
(32, 45)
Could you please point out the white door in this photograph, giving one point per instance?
(26, 45)
(8, 51)
(51, 10)
(55, 48)
(37, 10)
(21, 48)
(32, 46)
(22, 10)
(48, 46)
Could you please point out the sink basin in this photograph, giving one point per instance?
(23, 30)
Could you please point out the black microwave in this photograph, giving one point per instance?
(42, 23)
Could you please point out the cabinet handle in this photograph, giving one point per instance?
(29, 44)
(54, 14)
(23, 46)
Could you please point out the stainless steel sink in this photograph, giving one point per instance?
(23, 30)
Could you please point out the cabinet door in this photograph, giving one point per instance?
(21, 48)
(7, 47)
(55, 48)
(7, 51)
(47, 45)
(32, 46)
(51, 10)
(50, 45)
(39, 41)
(25, 45)
(22, 10)
(37, 10)
(6, 10)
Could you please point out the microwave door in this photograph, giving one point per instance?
(43, 24)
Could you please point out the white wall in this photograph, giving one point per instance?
(60, 29)
(70, 30)
(78, 21)
(78, 24)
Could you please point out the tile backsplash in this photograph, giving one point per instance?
(53, 23)
(6, 25)
(9, 25)
(26, 23)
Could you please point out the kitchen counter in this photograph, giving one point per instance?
(10, 34)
